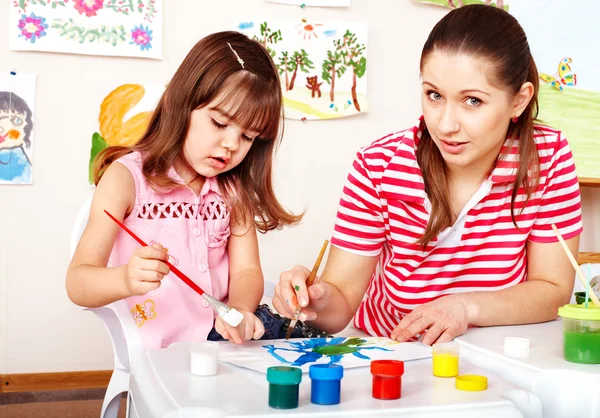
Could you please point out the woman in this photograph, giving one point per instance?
(447, 224)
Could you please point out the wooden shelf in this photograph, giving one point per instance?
(584, 258)
(589, 182)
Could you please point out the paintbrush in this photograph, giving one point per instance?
(229, 314)
(309, 282)
(579, 274)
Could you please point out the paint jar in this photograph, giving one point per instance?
(203, 358)
(387, 378)
(325, 383)
(471, 383)
(581, 333)
(284, 385)
(445, 359)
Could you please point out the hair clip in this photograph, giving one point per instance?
(241, 61)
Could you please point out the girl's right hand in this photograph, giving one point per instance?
(291, 292)
(146, 268)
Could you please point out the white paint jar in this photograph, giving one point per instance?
(203, 358)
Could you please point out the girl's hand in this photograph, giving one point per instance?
(291, 293)
(146, 268)
(250, 328)
(440, 321)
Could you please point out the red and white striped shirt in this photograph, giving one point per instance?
(384, 211)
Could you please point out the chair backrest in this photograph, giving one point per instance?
(123, 332)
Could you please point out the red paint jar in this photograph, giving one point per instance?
(387, 378)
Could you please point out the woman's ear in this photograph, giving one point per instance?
(522, 98)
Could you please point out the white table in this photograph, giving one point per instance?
(549, 383)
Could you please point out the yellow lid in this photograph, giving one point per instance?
(471, 382)
(592, 312)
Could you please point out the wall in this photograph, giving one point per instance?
(40, 330)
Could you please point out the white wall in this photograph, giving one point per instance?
(40, 330)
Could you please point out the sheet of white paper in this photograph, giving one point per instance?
(100, 27)
(317, 3)
(356, 352)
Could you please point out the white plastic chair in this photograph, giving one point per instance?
(126, 341)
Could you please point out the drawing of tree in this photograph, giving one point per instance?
(269, 36)
(285, 66)
(332, 66)
(300, 59)
(352, 56)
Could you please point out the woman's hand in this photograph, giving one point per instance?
(291, 292)
(250, 328)
(438, 321)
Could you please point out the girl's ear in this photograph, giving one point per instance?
(522, 98)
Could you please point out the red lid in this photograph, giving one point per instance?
(387, 367)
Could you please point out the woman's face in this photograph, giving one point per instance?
(466, 115)
(12, 129)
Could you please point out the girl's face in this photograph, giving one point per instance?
(12, 129)
(466, 115)
(214, 143)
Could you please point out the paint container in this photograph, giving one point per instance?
(387, 378)
(517, 347)
(203, 358)
(471, 383)
(284, 385)
(445, 359)
(581, 333)
(325, 383)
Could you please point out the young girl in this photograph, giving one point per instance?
(448, 224)
(196, 187)
(16, 125)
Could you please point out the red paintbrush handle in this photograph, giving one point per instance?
(174, 269)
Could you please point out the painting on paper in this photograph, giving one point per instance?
(129, 28)
(322, 65)
(123, 117)
(17, 97)
(453, 4)
(568, 64)
(349, 352)
(316, 3)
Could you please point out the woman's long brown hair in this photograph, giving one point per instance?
(494, 35)
(211, 71)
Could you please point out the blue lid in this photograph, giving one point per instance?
(326, 371)
(284, 375)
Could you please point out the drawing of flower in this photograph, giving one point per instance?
(32, 27)
(313, 349)
(141, 36)
(88, 7)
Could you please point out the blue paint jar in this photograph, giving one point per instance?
(325, 383)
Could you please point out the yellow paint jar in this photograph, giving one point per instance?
(445, 360)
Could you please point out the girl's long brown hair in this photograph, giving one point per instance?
(494, 35)
(211, 71)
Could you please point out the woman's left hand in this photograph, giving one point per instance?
(438, 321)
(250, 328)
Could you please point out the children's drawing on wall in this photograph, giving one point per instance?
(17, 96)
(317, 3)
(349, 352)
(453, 4)
(568, 63)
(131, 28)
(322, 65)
(123, 117)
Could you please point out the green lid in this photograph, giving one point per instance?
(284, 375)
(592, 312)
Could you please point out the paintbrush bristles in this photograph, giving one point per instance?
(579, 274)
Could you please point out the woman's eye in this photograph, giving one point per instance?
(473, 101)
(434, 96)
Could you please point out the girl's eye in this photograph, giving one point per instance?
(434, 96)
(473, 101)
(217, 124)
(247, 138)
(17, 121)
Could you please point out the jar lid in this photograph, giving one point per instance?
(471, 382)
(284, 375)
(326, 371)
(387, 367)
(592, 312)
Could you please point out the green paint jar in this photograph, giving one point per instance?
(284, 385)
(581, 333)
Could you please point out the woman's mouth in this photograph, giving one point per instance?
(453, 147)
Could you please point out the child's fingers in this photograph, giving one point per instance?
(234, 335)
(152, 252)
(259, 329)
(154, 265)
(307, 315)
